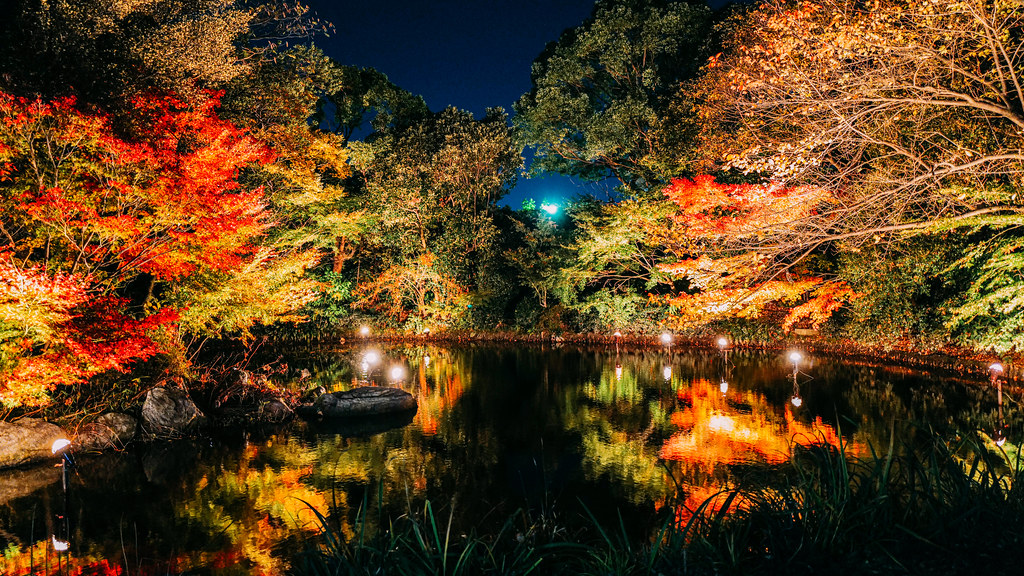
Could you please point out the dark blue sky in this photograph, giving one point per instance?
(471, 54)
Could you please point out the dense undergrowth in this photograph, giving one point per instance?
(925, 505)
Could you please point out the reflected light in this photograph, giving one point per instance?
(724, 387)
(60, 545)
(797, 401)
(364, 331)
(618, 371)
(59, 444)
(371, 358)
(721, 423)
(667, 372)
(666, 338)
(426, 360)
(397, 372)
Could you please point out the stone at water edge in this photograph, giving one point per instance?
(27, 440)
(365, 401)
(275, 410)
(111, 430)
(169, 411)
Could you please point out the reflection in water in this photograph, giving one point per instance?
(641, 434)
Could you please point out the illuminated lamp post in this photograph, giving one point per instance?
(364, 331)
(60, 446)
(995, 370)
(795, 358)
(666, 338)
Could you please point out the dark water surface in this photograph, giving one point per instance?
(643, 434)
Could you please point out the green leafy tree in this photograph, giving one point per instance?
(602, 99)
(430, 188)
(107, 52)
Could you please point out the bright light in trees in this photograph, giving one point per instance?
(371, 357)
(364, 331)
(397, 372)
(551, 209)
(666, 338)
(722, 343)
(996, 368)
(795, 357)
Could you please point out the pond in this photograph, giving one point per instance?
(639, 434)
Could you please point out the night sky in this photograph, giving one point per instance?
(471, 54)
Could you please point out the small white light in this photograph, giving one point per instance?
(551, 209)
(59, 444)
(60, 545)
(366, 366)
(364, 331)
(426, 360)
(397, 372)
(724, 387)
(1000, 441)
(618, 372)
(666, 338)
(371, 358)
(617, 334)
(996, 367)
(426, 330)
(667, 372)
(797, 401)
(722, 343)
(795, 357)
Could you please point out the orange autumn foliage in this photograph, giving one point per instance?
(87, 208)
(716, 230)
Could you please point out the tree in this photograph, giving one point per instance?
(724, 282)
(89, 218)
(430, 188)
(108, 52)
(601, 104)
(909, 112)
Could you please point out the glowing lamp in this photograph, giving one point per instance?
(667, 372)
(364, 331)
(59, 444)
(724, 387)
(551, 209)
(397, 372)
(996, 368)
(722, 343)
(617, 334)
(371, 358)
(60, 545)
(426, 360)
(795, 357)
(666, 338)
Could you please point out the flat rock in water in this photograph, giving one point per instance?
(365, 401)
(168, 411)
(27, 440)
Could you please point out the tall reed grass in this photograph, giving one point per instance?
(926, 505)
